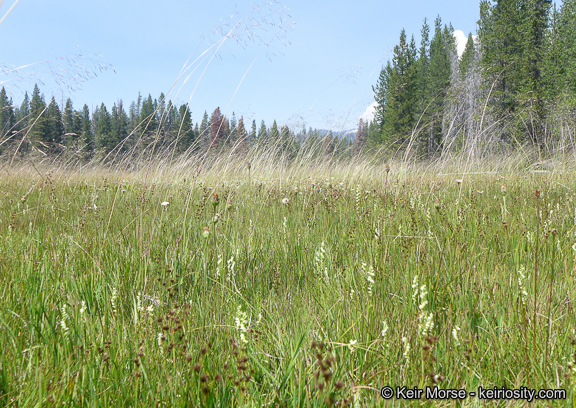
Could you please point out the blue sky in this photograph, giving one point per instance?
(299, 62)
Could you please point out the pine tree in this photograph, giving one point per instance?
(69, 117)
(242, 140)
(560, 63)
(118, 126)
(275, 136)
(423, 72)
(204, 126)
(442, 50)
(217, 128)
(467, 60)
(185, 132)
(23, 113)
(512, 34)
(400, 99)
(6, 115)
(6, 120)
(360, 137)
(287, 142)
(36, 119)
(54, 126)
(86, 136)
(252, 135)
(380, 93)
(148, 116)
(233, 136)
(263, 134)
(104, 138)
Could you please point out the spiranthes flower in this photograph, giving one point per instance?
(369, 272)
(415, 287)
(521, 284)
(219, 265)
(164, 203)
(113, 299)
(352, 345)
(406, 348)
(285, 201)
(139, 304)
(241, 323)
(63, 323)
(455, 331)
(385, 329)
(426, 324)
(231, 263)
(160, 342)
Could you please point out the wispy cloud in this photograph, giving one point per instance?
(368, 114)
(461, 40)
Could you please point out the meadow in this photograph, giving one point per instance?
(259, 283)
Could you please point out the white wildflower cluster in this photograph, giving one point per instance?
(423, 291)
(140, 309)
(113, 299)
(219, 265)
(63, 322)
(426, 318)
(385, 329)
(368, 271)
(426, 324)
(352, 345)
(320, 263)
(139, 306)
(529, 237)
(160, 336)
(521, 284)
(241, 323)
(406, 349)
(455, 332)
(231, 264)
(83, 311)
(415, 287)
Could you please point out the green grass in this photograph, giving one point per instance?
(109, 299)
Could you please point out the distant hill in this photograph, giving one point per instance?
(349, 134)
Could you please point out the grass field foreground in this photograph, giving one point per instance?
(249, 287)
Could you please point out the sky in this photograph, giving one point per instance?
(301, 63)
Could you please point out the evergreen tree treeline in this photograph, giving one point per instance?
(515, 84)
(149, 125)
